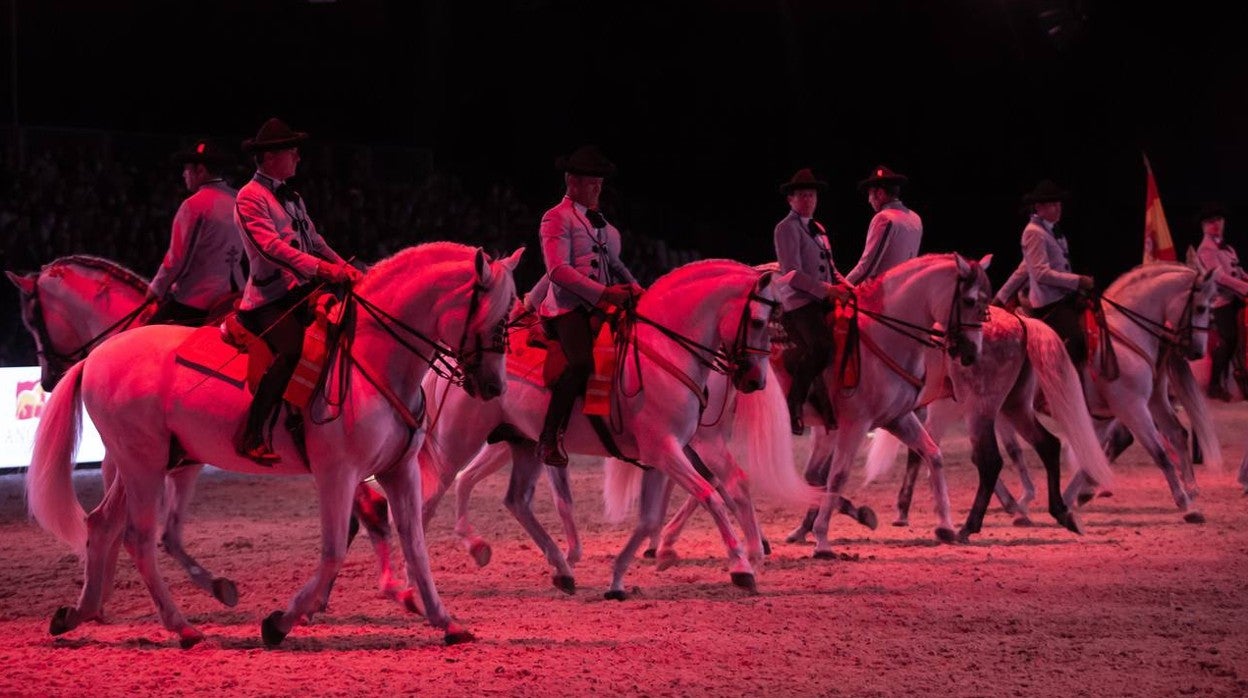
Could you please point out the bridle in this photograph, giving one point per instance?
(1181, 338)
(56, 363)
(952, 339)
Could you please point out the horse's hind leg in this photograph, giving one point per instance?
(676, 523)
(179, 489)
(1136, 417)
(817, 476)
(649, 517)
(1008, 438)
(371, 509)
(561, 490)
(905, 494)
(1176, 435)
(912, 434)
(986, 456)
(104, 526)
(1049, 448)
(525, 470)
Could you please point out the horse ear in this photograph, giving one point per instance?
(1193, 260)
(482, 263)
(513, 260)
(24, 283)
(964, 269)
(985, 261)
(764, 281)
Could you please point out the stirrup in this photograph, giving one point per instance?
(258, 453)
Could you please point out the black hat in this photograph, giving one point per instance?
(1210, 210)
(204, 152)
(274, 135)
(802, 179)
(1045, 192)
(586, 160)
(882, 176)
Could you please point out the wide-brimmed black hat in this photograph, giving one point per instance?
(802, 179)
(1046, 191)
(1210, 210)
(204, 152)
(882, 176)
(274, 135)
(587, 161)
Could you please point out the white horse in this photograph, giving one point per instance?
(413, 309)
(1158, 318)
(699, 317)
(74, 303)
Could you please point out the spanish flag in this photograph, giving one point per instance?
(1158, 245)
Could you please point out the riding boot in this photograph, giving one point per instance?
(796, 424)
(562, 397)
(822, 399)
(249, 442)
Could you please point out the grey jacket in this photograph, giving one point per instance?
(893, 236)
(1232, 282)
(808, 257)
(282, 244)
(1048, 264)
(1013, 285)
(580, 260)
(202, 264)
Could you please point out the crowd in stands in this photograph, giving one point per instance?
(90, 196)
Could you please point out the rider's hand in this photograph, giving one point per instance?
(838, 292)
(997, 302)
(636, 289)
(338, 273)
(1086, 283)
(618, 295)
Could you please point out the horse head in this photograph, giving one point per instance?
(968, 310)
(751, 347)
(1193, 325)
(481, 350)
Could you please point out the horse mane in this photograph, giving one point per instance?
(417, 257)
(108, 267)
(1145, 272)
(693, 271)
(872, 286)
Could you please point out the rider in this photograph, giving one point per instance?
(1217, 254)
(286, 255)
(1055, 294)
(805, 256)
(582, 255)
(894, 234)
(202, 266)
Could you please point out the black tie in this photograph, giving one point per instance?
(814, 228)
(285, 192)
(596, 219)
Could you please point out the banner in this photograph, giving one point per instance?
(22, 400)
(1158, 245)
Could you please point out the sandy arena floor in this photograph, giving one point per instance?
(1143, 605)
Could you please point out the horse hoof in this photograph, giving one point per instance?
(458, 636)
(1084, 498)
(766, 547)
(901, 523)
(64, 620)
(225, 591)
(1023, 522)
(946, 535)
(272, 635)
(1104, 493)
(481, 553)
(824, 555)
(667, 558)
(1194, 517)
(649, 554)
(799, 536)
(745, 580)
(190, 638)
(615, 595)
(866, 516)
(564, 583)
(964, 535)
(1070, 523)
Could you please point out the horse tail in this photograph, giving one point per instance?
(1064, 393)
(431, 456)
(621, 488)
(1197, 408)
(882, 455)
(50, 495)
(763, 443)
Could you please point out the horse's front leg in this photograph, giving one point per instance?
(816, 475)
(986, 456)
(845, 442)
(179, 489)
(910, 430)
(486, 463)
(561, 491)
(525, 470)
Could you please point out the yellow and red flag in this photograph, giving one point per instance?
(1158, 245)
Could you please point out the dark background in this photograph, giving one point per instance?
(706, 106)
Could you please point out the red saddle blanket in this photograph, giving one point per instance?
(537, 358)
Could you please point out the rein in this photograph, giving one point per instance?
(81, 352)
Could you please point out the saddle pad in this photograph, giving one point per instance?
(205, 352)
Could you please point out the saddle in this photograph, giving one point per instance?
(537, 357)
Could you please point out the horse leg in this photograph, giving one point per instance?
(1008, 438)
(816, 476)
(179, 488)
(561, 490)
(905, 495)
(402, 486)
(845, 441)
(665, 551)
(482, 466)
(525, 470)
(649, 516)
(104, 526)
(1135, 416)
(1176, 435)
(372, 510)
(142, 495)
(912, 434)
(986, 456)
(337, 491)
(681, 516)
